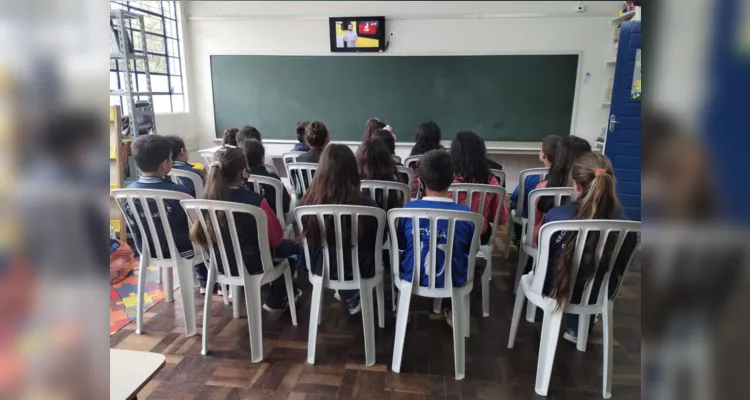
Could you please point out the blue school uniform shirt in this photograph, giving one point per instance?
(567, 213)
(464, 232)
(183, 166)
(531, 182)
(176, 216)
(301, 147)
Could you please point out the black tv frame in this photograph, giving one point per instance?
(382, 45)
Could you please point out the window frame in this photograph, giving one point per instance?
(172, 76)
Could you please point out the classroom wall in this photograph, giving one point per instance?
(422, 28)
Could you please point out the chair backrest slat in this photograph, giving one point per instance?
(483, 191)
(559, 194)
(386, 187)
(602, 231)
(289, 158)
(408, 173)
(337, 213)
(412, 160)
(430, 268)
(176, 175)
(133, 199)
(301, 176)
(522, 185)
(258, 180)
(500, 174)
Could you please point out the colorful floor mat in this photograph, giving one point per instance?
(123, 297)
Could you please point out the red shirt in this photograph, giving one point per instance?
(490, 204)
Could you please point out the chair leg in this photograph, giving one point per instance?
(168, 284)
(185, 277)
(236, 301)
(394, 295)
(584, 321)
(159, 277)
(141, 289)
(522, 260)
(402, 318)
(517, 310)
(436, 305)
(547, 348)
(290, 295)
(467, 315)
(368, 324)
(530, 312)
(486, 277)
(459, 335)
(254, 318)
(607, 349)
(207, 310)
(316, 304)
(224, 294)
(489, 261)
(380, 293)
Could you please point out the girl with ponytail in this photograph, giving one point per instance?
(227, 175)
(594, 184)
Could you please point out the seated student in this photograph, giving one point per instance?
(436, 178)
(301, 146)
(594, 183)
(230, 136)
(226, 179)
(546, 154)
(387, 137)
(180, 161)
(470, 166)
(372, 125)
(374, 163)
(248, 132)
(316, 136)
(255, 154)
(153, 155)
(569, 149)
(337, 182)
(428, 138)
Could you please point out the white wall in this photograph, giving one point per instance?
(422, 28)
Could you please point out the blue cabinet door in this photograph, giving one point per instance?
(623, 140)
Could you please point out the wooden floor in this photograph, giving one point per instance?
(492, 370)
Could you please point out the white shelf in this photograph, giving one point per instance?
(610, 62)
(624, 17)
(606, 104)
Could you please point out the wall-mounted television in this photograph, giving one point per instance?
(357, 34)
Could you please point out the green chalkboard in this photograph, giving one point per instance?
(502, 98)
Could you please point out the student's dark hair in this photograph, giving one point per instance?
(371, 126)
(301, 131)
(230, 136)
(225, 169)
(386, 137)
(150, 151)
(569, 149)
(375, 161)
(177, 145)
(336, 182)
(248, 132)
(469, 156)
(597, 200)
(428, 138)
(549, 146)
(254, 152)
(316, 135)
(436, 170)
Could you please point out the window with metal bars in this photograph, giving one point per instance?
(164, 58)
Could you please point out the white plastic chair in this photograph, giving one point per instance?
(289, 158)
(272, 169)
(177, 175)
(483, 191)
(409, 176)
(500, 174)
(207, 155)
(138, 199)
(526, 248)
(458, 295)
(386, 188)
(365, 286)
(258, 181)
(412, 160)
(198, 210)
(516, 216)
(301, 177)
(532, 285)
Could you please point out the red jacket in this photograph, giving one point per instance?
(490, 205)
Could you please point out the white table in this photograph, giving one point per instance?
(129, 371)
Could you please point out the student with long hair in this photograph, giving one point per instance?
(371, 126)
(596, 198)
(569, 149)
(337, 182)
(255, 154)
(230, 136)
(316, 136)
(226, 179)
(375, 163)
(469, 156)
(428, 138)
(387, 137)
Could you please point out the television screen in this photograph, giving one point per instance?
(356, 34)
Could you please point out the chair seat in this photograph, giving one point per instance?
(437, 293)
(347, 285)
(549, 304)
